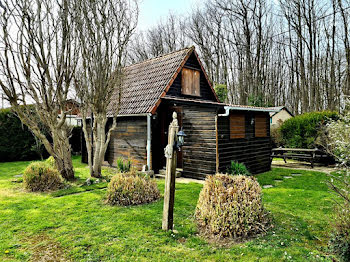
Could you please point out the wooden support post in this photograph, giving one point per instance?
(216, 145)
(169, 190)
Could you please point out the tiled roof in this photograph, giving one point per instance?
(252, 108)
(146, 82)
(277, 107)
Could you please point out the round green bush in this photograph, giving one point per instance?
(39, 176)
(231, 206)
(131, 188)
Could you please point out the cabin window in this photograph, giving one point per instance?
(190, 82)
(260, 125)
(237, 125)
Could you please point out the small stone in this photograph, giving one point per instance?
(19, 175)
(296, 174)
(287, 177)
(88, 181)
(278, 180)
(175, 231)
(97, 181)
(267, 186)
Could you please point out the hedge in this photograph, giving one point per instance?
(75, 140)
(17, 142)
(302, 131)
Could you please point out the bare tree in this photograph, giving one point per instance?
(38, 58)
(346, 40)
(167, 36)
(104, 29)
(290, 52)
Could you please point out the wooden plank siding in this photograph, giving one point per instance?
(199, 150)
(253, 151)
(129, 141)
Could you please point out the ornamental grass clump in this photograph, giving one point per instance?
(131, 188)
(51, 162)
(40, 176)
(231, 206)
(238, 169)
(123, 166)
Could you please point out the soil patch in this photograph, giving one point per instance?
(45, 249)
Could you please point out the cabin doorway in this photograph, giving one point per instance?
(165, 118)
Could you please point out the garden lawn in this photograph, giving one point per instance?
(76, 225)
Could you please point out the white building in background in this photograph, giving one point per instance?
(277, 118)
(73, 119)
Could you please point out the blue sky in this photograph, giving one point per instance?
(151, 11)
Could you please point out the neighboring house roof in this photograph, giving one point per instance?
(279, 109)
(145, 83)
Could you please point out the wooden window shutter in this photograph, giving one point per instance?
(260, 125)
(196, 83)
(190, 83)
(237, 125)
(186, 81)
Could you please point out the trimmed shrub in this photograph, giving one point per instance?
(131, 188)
(238, 169)
(39, 176)
(340, 239)
(231, 206)
(301, 131)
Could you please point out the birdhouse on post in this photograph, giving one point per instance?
(169, 191)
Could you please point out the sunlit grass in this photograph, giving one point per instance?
(85, 229)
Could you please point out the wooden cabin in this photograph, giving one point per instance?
(216, 133)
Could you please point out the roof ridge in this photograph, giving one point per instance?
(248, 106)
(160, 56)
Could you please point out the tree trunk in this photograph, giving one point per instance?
(65, 166)
(62, 154)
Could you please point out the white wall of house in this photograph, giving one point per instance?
(277, 119)
(72, 120)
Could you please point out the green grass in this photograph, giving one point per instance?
(77, 224)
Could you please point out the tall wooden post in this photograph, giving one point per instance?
(169, 191)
